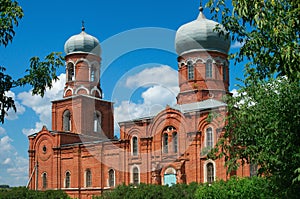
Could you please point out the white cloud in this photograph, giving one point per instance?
(14, 168)
(160, 75)
(237, 44)
(11, 114)
(38, 127)
(2, 131)
(7, 161)
(243, 98)
(234, 92)
(5, 145)
(19, 168)
(161, 85)
(128, 111)
(159, 95)
(42, 105)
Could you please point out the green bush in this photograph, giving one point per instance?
(22, 192)
(144, 191)
(255, 187)
(234, 188)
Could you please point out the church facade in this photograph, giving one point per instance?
(81, 156)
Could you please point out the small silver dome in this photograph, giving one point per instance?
(199, 35)
(82, 43)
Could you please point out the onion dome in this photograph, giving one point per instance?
(199, 35)
(82, 43)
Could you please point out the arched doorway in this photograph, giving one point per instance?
(170, 176)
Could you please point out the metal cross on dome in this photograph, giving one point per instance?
(82, 26)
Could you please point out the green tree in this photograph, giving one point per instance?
(255, 187)
(40, 73)
(22, 192)
(149, 191)
(269, 31)
(264, 119)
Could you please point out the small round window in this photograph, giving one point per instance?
(44, 149)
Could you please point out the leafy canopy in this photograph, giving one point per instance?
(40, 73)
(264, 119)
(269, 31)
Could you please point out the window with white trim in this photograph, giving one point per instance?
(67, 120)
(135, 176)
(88, 178)
(111, 178)
(67, 179)
(97, 121)
(210, 175)
(190, 67)
(70, 70)
(175, 142)
(209, 138)
(208, 68)
(165, 143)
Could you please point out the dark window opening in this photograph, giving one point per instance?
(165, 143)
(135, 176)
(134, 146)
(208, 69)
(210, 173)
(190, 70)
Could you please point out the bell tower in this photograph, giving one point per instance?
(203, 67)
(82, 109)
(83, 61)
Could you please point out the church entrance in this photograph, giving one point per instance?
(170, 176)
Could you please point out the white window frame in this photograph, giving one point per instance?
(114, 177)
(205, 169)
(212, 137)
(131, 176)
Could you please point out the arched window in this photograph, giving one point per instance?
(94, 73)
(135, 176)
(67, 121)
(190, 67)
(135, 146)
(44, 180)
(165, 143)
(208, 69)
(97, 121)
(88, 178)
(111, 178)
(209, 138)
(175, 142)
(170, 176)
(210, 176)
(68, 179)
(70, 68)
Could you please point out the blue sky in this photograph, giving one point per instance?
(137, 39)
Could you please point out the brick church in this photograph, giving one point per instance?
(81, 155)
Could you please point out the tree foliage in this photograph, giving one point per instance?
(269, 31)
(263, 129)
(40, 73)
(255, 187)
(10, 14)
(264, 119)
(144, 191)
(22, 192)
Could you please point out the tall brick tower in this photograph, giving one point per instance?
(82, 109)
(202, 61)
